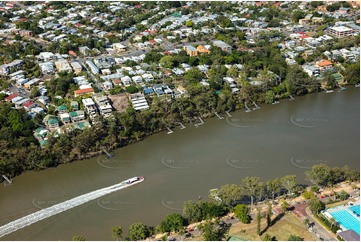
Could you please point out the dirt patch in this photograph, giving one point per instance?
(120, 102)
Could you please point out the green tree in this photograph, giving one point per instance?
(258, 222)
(274, 187)
(343, 195)
(352, 73)
(192, 211)
(34, 92)
(268, 237)
(250, 185)
(214, 232)
(269, 214)
(230, 194)
(139, 231)
(241, 211)
(172, 223)
(167, 61)
(189, 23)
(131, 89)
(193, 75)
(293, 237)
(270, 96)
(117, 232)
(288, 182)
(319, 174)
(78, 238)
(297, 15)
(316, 205)
(285, 206)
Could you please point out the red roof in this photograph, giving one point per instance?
(22, 20)
(77, 25)
(138, 6)
(152, 41)
(303, 36)
(72, 53)
(28, 104)
(324, 63)
(301, 33)
(12, 96)
(167, 53)
(85, 90)
(116, 81)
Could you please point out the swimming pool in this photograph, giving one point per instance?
(355, 209)
(345, 218)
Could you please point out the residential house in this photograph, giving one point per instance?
(92, 67)
(203, 49)
(76, 116)
(84, 50)
(47, 67)
(325, 65)
(65, 118)
(107, 85)
(148, 90)
(341, 31)
(29, 105)
(89, 106)
(311, 70)
(9, 68)
(81, 92)
(74, 105)
(46, 56)
(191, 51)
(103, 105)
(224, 46)
(76, 67)
(119, 47)
(44, 99)
(139, 102)
(338, 77)
(62, 109)
(11, 97)
(126, 80)
(51, 121)
(63, 65)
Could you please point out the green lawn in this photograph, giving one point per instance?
(282, 229)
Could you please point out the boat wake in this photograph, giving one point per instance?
(63, 206)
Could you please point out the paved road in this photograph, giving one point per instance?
(318, 229)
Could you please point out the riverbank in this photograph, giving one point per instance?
(285, 224)
(76, 155)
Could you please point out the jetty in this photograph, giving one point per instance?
(108, 154)
(327, 91)
(229, 115)
(198, 124)
(9, 181)
(182, 126)
(220, 117)
(342, 88)
(248, 109)
(275, 102)
(169, 131)
(256, 106)
(291, 98)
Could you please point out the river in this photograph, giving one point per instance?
(277, 140)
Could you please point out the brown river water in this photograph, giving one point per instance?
(277, 140)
